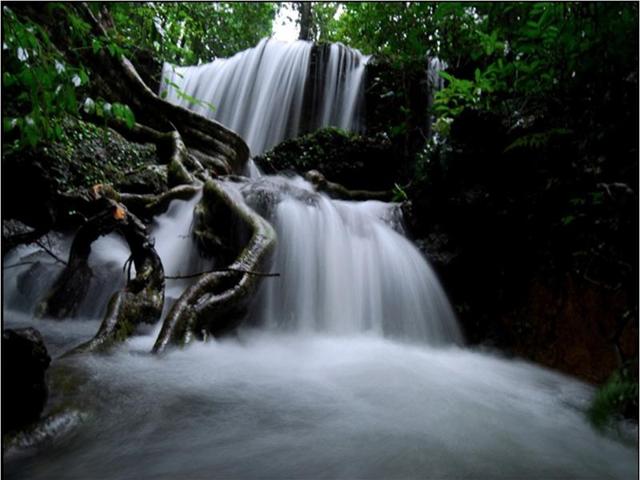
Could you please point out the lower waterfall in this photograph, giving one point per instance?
(350, 366)
(344, 269)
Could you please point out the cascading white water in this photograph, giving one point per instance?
(25, 285)
(304, 405)
(334, 397)
(260, 93)
(343, 269)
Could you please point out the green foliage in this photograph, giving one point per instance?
(106, 110)
(324, 19)
(399, 195)
(184, 95)
(535, 52)
(512, 57)
(613, 399)
(189, 33)
(537, 141)
(42, 85)
(45, 87)
(403, 31)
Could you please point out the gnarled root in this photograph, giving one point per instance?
(140, 301)
(142, 298)
(216, 301)
(147, 205)
(197, 131)
(71, 286)
(336, 190)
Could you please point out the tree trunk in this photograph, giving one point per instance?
(306, 21)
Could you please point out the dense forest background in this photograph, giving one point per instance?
(521, 171)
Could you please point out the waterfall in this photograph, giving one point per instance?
(344, 269)
(274, 91)
(317, 385)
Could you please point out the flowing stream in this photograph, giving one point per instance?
(351, 363)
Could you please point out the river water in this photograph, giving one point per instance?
(340, 387)
(351, 363)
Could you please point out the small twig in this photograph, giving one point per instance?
(606, 286)
(18, 265)
(250, 272)
(40, 244)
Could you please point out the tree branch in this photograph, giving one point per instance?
(237, 270)
(43, 247)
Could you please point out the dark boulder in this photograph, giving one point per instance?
(355, 161)
(24, 390)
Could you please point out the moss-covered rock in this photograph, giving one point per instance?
(177, 174)
(355, 161)
(147, 179)
(87, 155)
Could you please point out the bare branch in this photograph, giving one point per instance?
(238, 270)
(43, 247)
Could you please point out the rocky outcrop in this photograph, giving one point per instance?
(538, 253)
(355, 161)
(87, 155)
(24, 390)
(15, 233)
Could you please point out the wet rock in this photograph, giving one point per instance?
(355, 161)
(15, 233)
(86, 155)
(14, 227)
(438, 250)
(24, 390)
(150, 179)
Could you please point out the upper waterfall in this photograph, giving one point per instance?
(275, 90)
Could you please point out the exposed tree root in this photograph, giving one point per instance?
(335, 190)
(116, 80)
(216, 301)
(193, 147)
(147, 205)
(71, 286)
(140, 301)
(203, 133)
(142, 298)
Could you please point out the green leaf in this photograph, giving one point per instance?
(8, 124)
(446, 76)
(96, 46)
